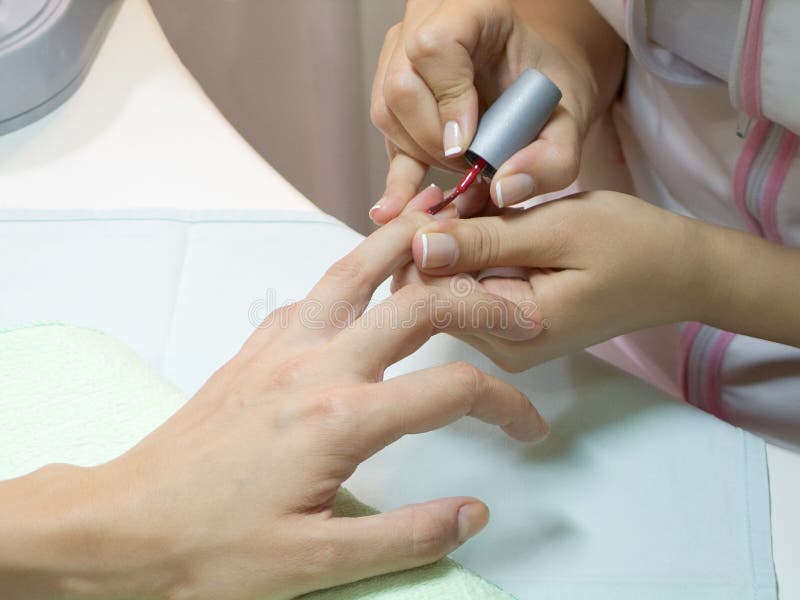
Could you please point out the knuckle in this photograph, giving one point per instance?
(485, 244)
(330, 408)
(349, 269)
(280, 318)
(400, 88)
(288, 312)
(430, 535)
(471, 379)
(290, 371)
(426, 42)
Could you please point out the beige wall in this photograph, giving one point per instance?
(294, 77)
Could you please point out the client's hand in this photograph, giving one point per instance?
(599, 265)
(232, 497)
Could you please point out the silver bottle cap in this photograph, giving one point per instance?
(514, 120)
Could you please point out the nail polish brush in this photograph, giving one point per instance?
(512, 122)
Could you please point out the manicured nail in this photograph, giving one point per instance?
(514, 188)
(438, 250)
(374, 208)
(453, 141)
(542, 433)
(471, 519)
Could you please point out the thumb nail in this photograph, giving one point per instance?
(471, 519)
(438, 250)
(514, 188)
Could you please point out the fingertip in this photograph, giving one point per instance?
(541, 433)
(402, 184)
(549, 164)
(375, 213)
(538, 429)
(472, 518)
(508, 190)
(386, 209)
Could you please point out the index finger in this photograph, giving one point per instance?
(440, 50)
(350, 282)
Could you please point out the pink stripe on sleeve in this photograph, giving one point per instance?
(772, 188)
(752, 145)
(688, 336)
(712, 388)
(751, 60)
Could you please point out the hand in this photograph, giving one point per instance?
(600, 264)
(232, 497)
(449, 59)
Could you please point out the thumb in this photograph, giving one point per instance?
(408, 537)
(463, 245)
(547, 165)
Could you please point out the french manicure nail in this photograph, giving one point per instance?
(376, 206)
(438, 250)
(453, 140)
(471, 519)
(514, 188)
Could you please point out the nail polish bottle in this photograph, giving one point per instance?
(514, 120)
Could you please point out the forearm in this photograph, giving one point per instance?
(585, 38)
(57, 542)
(38, 532)
(752, 286)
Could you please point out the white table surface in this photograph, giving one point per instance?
(98, 151)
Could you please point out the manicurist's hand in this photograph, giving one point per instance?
(232, 497)
(602, 264)
(599, 265)
(448, 60)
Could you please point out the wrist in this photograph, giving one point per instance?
(127, 553)
(694, 274)
(751, 286)
(710, 252)
(60, 537)
(44, 519)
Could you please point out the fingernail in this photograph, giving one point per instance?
(452, 139)
(543, 433)
(471, 519)
(514, 188)
(438, 250)
(372, 210)
(425, 199)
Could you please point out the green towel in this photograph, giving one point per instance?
(78, 396)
